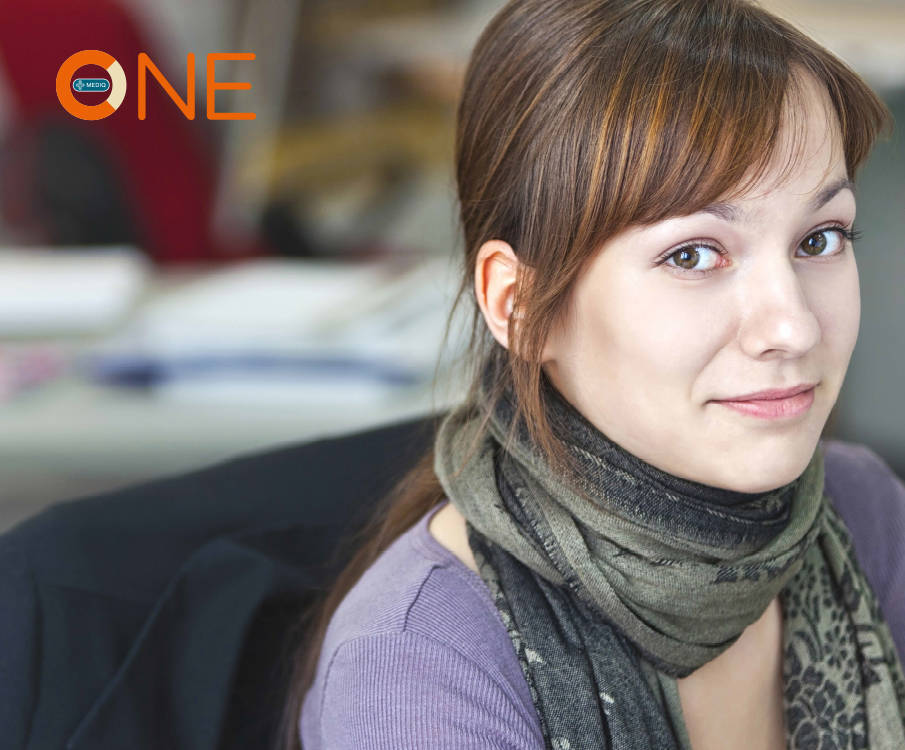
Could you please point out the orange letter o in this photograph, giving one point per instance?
(91, 111)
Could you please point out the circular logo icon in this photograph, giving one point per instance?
(117, 88)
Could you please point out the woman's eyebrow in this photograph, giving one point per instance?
(732, 213)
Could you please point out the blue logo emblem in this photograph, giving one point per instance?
(91, 84)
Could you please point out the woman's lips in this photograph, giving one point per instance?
(779, 408)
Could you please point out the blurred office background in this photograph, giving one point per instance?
(174, 292)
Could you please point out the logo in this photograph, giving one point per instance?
(116, 85)
(115, 88)
(91, 84)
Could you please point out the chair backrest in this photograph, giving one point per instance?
(156, 616)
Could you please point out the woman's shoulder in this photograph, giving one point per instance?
(859, 480)
(417, 633)
(847, 455)
(870, 498)
(417, 585)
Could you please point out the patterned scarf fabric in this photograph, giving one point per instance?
(629, 567)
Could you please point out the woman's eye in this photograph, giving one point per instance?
(694, 259)
(832, 238)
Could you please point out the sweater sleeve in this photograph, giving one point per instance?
(397, 690)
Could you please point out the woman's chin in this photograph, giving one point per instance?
(769, 470)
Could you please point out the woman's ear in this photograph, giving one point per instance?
(496, 271)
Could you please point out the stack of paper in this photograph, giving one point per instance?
(69, 290)
(283, 330)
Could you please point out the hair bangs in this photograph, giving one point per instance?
(693, 116)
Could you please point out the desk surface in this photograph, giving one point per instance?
(72, 438)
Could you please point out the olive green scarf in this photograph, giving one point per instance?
(658, 574)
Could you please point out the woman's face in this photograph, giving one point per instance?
(764, 294)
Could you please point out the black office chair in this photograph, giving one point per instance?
(157, 616)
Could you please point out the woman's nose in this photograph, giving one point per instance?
(778, 317)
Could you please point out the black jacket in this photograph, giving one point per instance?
(158, 616)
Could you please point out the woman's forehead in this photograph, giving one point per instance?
(808, 153)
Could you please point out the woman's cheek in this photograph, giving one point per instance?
(838, 308)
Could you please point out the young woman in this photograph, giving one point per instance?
(630, 534)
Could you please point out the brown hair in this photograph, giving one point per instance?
(577, 119)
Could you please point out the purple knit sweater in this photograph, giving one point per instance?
(416, 655)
